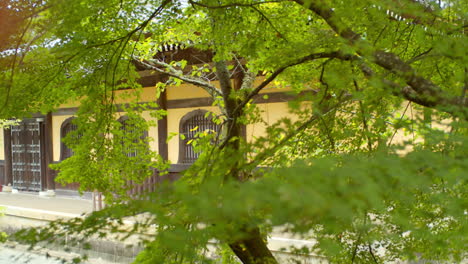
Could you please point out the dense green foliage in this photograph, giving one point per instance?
(364, 72)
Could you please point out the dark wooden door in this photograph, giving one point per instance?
(26, 155)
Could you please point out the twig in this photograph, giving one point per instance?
(396, 130)
(269, 22)
(419, 56)
(380, 34)
(9, 85)
(372, 253)
(140, 27)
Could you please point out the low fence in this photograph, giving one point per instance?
(138, 190)
(2, 173)
(149, 185)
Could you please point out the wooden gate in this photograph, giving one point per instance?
(26, 155)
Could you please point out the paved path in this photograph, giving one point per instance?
(28, 210)
(68, 205)
(14, 256)
(19, 255)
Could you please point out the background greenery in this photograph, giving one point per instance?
(335, 174)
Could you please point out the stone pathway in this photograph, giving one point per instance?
(14, 256)
(19, 255)
(67, 205)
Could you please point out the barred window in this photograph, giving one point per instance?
(129, 129)
(190, 125)
(67, 127)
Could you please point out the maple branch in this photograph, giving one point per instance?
(270, 151)
(173, 72)
(421, 89)
(251, 5)
(310, 57)
(224, 78)
(139, 27)
(233, 4)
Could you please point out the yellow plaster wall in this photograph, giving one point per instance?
(57, 122)
(270, 113)
(2, 151)
(414, 112)
(185, 91)
(147, 94)
(173, 120)
(271, 87)
(56, 125)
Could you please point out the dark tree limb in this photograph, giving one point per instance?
(421, 90)
(165, 68)
(324, 111)
(224, 78)
(135, 30)
(272, 77)
(13, 65)
(232, 4)
(253, 249)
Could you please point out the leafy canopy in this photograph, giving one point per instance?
(364, 74)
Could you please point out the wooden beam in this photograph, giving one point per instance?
(42, 144)
(162, 128)
(263, 98)
(50, 175)
(7, 147)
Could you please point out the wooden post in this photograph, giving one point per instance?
(7, 147)
(162, 133)
(50, 183)
(162, 127)
(42, 136)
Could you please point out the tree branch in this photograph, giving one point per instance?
(226, 88)
(268, 152)
(311, 57)
(419, 56)
(233, 4)
(171, 71)
(251, 5)
(422, 90)
(248, 80)
(13, 65)
(140, 27)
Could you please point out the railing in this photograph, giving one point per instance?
(2, 172)
(151, 183)
(137, 192)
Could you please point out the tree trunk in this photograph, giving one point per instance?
(253, 248)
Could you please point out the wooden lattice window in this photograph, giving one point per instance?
(128, 127)
(67, 127)
(190, 125)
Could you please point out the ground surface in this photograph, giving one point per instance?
(57, 204)
(19, 255)
(16, 256)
